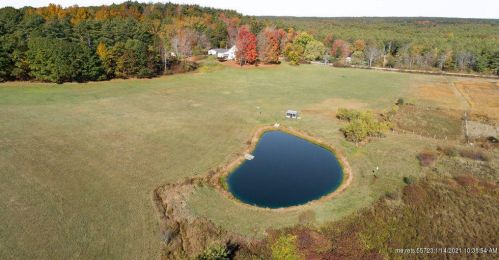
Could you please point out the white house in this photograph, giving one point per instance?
(227, 54)
(214, 52)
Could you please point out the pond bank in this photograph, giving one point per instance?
(181, 230)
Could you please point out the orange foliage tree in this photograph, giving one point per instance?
(271, 50)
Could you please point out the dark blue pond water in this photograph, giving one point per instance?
(286, 171)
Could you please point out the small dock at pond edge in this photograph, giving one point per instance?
(249, 157)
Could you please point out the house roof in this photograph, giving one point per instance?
(291, 112)
(219, 50)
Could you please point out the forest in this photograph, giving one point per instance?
(55, 44)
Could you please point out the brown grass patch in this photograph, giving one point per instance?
(433, 208)
(479, 94)
(428, 218)
(312, 242)
(414, 194)
(430, 122)
(439, 93)
(483, 96)
(466, 180)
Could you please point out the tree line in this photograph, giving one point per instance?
(448, 44)
(56, 44)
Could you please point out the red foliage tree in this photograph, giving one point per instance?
(340, 49)
(246, 46)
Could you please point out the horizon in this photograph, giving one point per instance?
(482, 9)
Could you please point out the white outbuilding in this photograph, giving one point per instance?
(292, 114)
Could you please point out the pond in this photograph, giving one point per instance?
(286, 171)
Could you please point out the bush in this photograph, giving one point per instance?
(347, 114)
(388, 115)
(285, 248)
(361, 126)
(426, 158)
(409, 180)
(400, 102)
(215, 252)
(223, 182)
(355, 131)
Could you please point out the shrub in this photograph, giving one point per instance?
(426, 158)
(474, 154)
(388, 115)
(400, 102)
(347, 114)
(409, 180)
(355, 131)
(215, 252)
(285, 248)
(359, 129)
(361, 125)
(223, 182)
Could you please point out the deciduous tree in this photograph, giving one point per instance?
(246, 46)
(314, 50)
(269, 45)
(340, 49)
(372, 53)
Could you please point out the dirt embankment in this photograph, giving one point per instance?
(184, 235)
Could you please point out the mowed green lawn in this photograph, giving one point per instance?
(79, 162)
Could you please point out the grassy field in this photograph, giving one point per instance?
(79, 162)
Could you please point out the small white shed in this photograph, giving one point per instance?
(293, 114)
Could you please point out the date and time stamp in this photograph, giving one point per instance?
(448, 250)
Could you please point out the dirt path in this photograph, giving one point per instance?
(427, 72)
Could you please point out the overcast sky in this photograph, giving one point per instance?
(331, 8)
